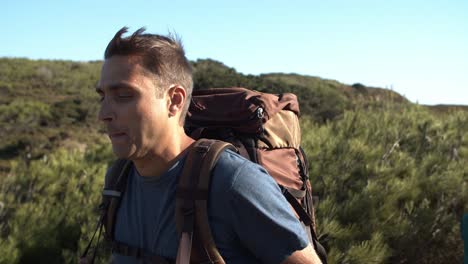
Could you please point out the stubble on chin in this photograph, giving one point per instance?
(123, 152)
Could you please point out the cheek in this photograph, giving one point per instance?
(131, 117)
(146, 118)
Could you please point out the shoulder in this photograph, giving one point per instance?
(233, 164)
(236, 174)
(230, 160)
(250, 200)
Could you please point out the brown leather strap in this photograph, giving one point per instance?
(185, 204)
(201, 212)
(192, 202)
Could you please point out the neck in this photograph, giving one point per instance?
(155, 164)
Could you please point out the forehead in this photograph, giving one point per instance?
(123, 69)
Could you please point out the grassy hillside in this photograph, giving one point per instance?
(45, 104)
(391, 175)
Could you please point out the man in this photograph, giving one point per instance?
(145, 90)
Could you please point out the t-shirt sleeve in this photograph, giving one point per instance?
(261, 216)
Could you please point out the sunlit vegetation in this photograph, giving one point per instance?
(390, 175)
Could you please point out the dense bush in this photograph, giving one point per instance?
(49, 206)
(393, 185)
(390, 183)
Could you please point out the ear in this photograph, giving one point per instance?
(176, 99)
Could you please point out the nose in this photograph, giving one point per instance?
(106, 114)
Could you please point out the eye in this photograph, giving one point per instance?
(124, 97)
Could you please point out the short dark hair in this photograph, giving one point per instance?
(163, 56)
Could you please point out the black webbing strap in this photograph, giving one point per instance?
(115, 185)
(302, 164)
(301, 212)
(306, 161)
(84, 257)
(249, 145)
(308, 222)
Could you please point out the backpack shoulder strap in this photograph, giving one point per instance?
(114, 186)
(192, 203)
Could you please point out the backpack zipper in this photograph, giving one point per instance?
(260, 113)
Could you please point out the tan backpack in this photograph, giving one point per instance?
(265, 129)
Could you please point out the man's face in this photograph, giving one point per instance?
(135, 119)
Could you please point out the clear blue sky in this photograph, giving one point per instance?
(418, 48)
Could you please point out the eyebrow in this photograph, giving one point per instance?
(115, 87)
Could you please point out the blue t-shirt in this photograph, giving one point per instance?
(250, 219)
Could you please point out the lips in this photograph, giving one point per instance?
(116, 135)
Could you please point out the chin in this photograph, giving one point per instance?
(122, 153)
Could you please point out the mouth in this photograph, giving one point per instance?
(116, 135)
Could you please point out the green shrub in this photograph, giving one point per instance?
(391, 183)
(22, 112)
(50, 206)
(391, 176)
